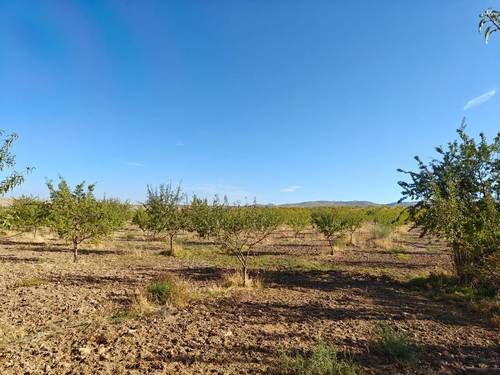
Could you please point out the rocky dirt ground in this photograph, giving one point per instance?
(58, 317)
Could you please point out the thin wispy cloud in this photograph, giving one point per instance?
(478, 100)
(179, 144)
(133, 164)
(290, 189)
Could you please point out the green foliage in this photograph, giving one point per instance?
(119, 213)
(6, 218)
(330, 223)
(8, 161)
(381, 231)
(299, 219)
(458, 198)
(243, 228)
(205, 219)
(396, 344)
(490, 22)
(163, 212)
(141, 219)
(388, 216)
(28, 214)
(323, 360)
(353, 219)
(76, 215)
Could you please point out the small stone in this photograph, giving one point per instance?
(84, 351)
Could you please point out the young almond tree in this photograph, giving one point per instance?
(299, 219)
(29, 214)
(76, 215)
(243, 228)
(329, 223)
(353, 219)
(164, 212)
(204, 219)
(141, 219)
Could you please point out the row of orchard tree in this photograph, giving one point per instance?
(239, 229)
(76, 215)
(455, 196)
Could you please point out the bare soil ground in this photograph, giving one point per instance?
(58, 317)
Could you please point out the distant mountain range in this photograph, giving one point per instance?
(342, 203)
(5, 202)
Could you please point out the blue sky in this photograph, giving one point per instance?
(284, 101)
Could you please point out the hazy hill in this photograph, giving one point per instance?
(341, 203)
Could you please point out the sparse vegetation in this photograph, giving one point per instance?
(396, 345)
(482, 298)
(168, 289)
(322, 360)
(31, 282)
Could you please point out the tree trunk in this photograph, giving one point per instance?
(171, 245)
(461, 260)
(332, 244)
(246, 279)
(75, 251)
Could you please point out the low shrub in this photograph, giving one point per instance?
(168, 289)
(322, 360)
(396, 344)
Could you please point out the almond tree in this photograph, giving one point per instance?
(329, 223)
(353, 219)
(164, 212)
(457, 197)
(141, 219)
(243, 228)
(29, 214)
(204, 219)
(298, 219)
(76, 215)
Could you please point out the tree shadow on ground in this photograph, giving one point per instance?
(201, 274)
(61, 248)
(378, 264)
(82, 279)
(9, 258)
(389, 297)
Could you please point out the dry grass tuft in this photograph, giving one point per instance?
(31, 282)
(235, 280)
(169, 289)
